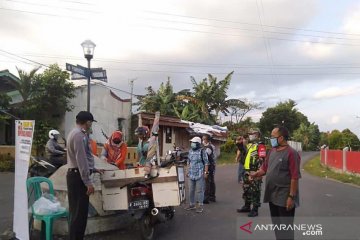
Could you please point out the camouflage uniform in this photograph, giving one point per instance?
(252, 188)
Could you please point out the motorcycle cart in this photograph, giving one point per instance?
(149, 200)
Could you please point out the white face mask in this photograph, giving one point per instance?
(252, 138)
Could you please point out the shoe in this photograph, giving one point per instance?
(190, 207)
(244, 209)
(212, 199)
(253, 213)
(206, 202)
(199, 209)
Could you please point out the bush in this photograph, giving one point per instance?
(7, 163)
(229, 146)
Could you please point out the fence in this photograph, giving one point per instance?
(343, 160)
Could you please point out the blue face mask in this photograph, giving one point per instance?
(193, 145)
(274, 142)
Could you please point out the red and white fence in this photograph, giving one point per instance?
(343, 160)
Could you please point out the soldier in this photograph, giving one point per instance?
(252, 187)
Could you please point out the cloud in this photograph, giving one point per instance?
(334, 92)
(318, 51)
(352, 21)
(335, 119)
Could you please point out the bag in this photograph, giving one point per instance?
(47, 204)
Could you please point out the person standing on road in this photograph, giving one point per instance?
(282, 169)
(79, 183)
(210, 187)
(241, 142)
(252, 187)
(198, 170)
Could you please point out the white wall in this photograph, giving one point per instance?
(295, 145)
(105, 108)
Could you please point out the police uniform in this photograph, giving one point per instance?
(81, 166)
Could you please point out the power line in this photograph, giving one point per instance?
(39, 13)
(117, 89)
(251, 24)
(23, 58)
(235, 73)
(268, 50)
(247, 29)
(209, 65)
(186, 63)
(52, 6)
(254, 36)
(78, 2)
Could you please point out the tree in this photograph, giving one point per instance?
(4, 105)
(340, 140)
(335, 140)
(283, 113)
(47, 97)
(24, 85)
(239, 108)
(308, 135)
(350, 140)
(209, 97)
(163, 100)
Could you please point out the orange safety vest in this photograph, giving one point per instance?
(115, 154)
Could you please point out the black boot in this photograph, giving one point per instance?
(245, 208)
(253, 212)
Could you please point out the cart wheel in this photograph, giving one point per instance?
(146, 227)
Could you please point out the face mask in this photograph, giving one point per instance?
(252, 138)
(274, 142)
(193, 145)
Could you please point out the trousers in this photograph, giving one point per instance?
(78, 205)
(279, 215)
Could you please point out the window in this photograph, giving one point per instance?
(168, 134)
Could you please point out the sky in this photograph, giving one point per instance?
(278, 49)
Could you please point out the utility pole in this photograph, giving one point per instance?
(131, 82)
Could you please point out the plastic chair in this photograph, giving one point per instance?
(48, 219)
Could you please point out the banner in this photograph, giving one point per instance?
(24, 131)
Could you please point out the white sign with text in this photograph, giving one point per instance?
(24, 131)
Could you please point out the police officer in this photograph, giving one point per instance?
(79, 183)
(252, 187)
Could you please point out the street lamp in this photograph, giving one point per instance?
(88, 47)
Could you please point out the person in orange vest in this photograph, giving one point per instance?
(92, 143)
(115, 150)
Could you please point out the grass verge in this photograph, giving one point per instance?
(314, 167)
(7, 163)
(226, 158)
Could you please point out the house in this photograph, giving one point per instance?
(176, 132)
(110, 111)
(7, 128)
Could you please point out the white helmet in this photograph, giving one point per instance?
(52, 133)
(196, 140)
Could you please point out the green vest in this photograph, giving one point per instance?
(251, 151)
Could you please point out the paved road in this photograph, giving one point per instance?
(319, 198)
(6, 200)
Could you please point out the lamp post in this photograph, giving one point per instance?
(88, 47)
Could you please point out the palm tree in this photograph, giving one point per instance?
(24, 83)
